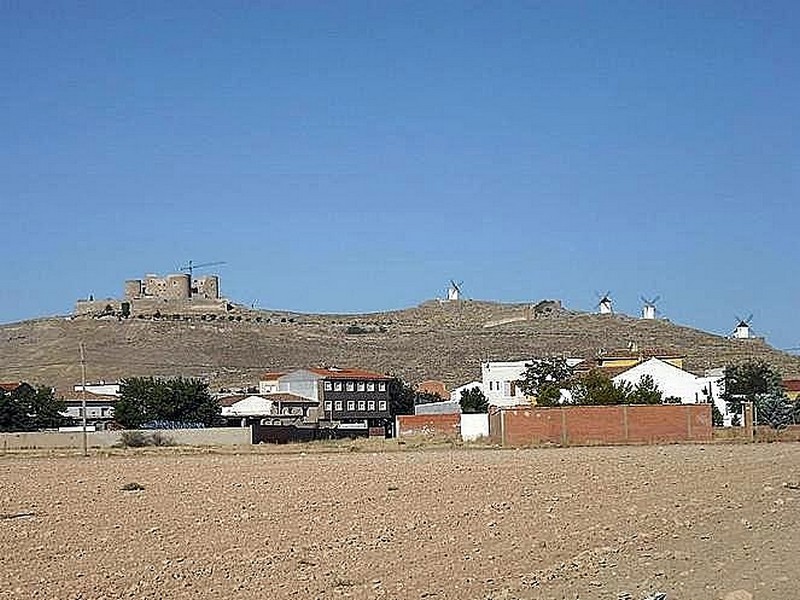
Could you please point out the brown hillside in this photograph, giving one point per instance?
(434, 340)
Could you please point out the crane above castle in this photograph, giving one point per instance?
(191, 266)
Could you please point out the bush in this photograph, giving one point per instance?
(134, 439)
(158, 438)
(139, 439)
(356, 330)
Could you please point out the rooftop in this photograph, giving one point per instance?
(345, 373)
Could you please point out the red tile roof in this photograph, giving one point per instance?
(271, 376)
(344, 373)
(78, 395)
(10, 386)
(231, 400)
(792, 385)
(433, 386)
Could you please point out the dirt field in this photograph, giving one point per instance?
(694, 522)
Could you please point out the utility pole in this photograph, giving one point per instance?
(83, 399)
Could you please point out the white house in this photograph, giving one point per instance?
(675, 382)
(500, 380)
(455, 395)
(102, 388)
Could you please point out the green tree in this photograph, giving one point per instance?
(402, 397)
(645, 392)
(473, 401)
(775, 410)
(745, 381)
(596, 388)
(545, 378)
(145, 399)
(29, 409)
(426, 398)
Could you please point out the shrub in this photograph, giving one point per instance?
(157, 438)
(139, 439)
(134, 439)
(355, 330)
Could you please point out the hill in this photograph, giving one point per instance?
(444, 341)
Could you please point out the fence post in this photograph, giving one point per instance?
(749, 421)
(564, 439)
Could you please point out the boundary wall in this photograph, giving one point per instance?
(466, 426)
(432, 425)
(601, 425)
(45, 440)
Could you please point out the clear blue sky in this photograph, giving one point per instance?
(344, 156)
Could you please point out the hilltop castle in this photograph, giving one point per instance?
(174, 294)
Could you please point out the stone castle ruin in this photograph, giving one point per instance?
(153, 296)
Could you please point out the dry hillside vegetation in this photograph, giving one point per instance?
(444, 341)
(593, 523)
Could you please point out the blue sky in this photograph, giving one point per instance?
(348, 156)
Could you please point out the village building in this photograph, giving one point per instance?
(347, 399)
(677, 384)
(274, 408)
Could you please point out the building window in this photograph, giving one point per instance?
(382, 405)
(329, 406)
(337, 386)
(328, 386)
(362, 404)
(351, 405)
(371, 386)
(350, 386)
(362, 386)
(371, 405)
(338, 405)
(381, 386)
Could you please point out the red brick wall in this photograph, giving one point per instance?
(582, 425)
(429, 425)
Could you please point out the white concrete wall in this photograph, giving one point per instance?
(212, 436)
(474, 426)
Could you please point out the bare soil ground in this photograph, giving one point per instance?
(591, 523)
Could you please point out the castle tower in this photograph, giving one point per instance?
(178, 287)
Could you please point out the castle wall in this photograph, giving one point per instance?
(133, 289)
(178, 287)
(98, 307)
(175, 294)
(206, 287)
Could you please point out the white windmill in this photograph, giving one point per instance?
(743, 330)
(454, 290)
(605, 305)
(649, 309)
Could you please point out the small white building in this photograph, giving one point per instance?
(500, 380)
(101, 388)
(674, 382)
